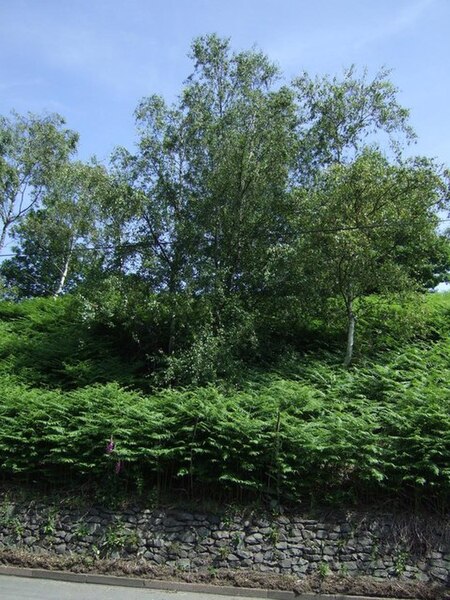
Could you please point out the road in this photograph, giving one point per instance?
(24, 588)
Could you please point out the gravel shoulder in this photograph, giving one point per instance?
(264, 585)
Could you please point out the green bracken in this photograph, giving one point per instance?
(307, 430)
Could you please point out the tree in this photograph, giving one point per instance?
(338, 118)
(54, 248)
(369, 227)
(209, 176)
(243, 129)
(207, 183)
(32, 148)
(154, 210)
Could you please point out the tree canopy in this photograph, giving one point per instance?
(248, 209)
(32, 148)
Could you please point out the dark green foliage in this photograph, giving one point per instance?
(121, 333)
(34, 270)
(49, 342)
(309, 431)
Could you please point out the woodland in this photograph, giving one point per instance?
(240, 307)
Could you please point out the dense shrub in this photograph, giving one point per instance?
(304, 430)
(52, 343)
(381, 432)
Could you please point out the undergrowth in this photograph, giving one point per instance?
(305, 431)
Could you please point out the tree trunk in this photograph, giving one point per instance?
(3, 235)
(63, 278)
(350, 335)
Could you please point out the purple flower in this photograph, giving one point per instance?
(110, 446)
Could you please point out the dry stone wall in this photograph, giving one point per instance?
(379, 545)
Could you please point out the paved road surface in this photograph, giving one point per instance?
(24, 588)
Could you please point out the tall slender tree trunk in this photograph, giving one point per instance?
(7, 220)
(350, 334)
(3, 236)
(64, 273)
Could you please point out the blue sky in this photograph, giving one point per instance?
(92, 60)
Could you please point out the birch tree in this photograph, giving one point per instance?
(370, 227)
(32, 148)
(242, 123)
(340, 116)
(58, 243)
(207, 180)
